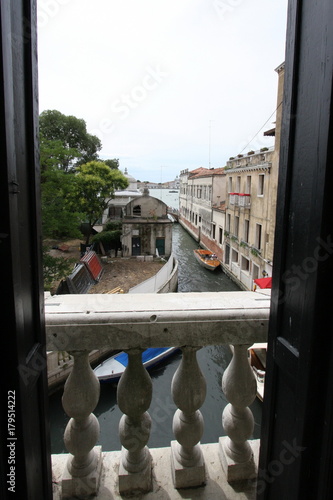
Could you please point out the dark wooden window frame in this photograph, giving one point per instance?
(297, 429)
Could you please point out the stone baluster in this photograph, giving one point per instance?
(189, 392)
(134, 397)
(81, 393)
(239, 387)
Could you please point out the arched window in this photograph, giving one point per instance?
(137, 210)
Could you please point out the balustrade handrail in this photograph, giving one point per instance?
(79, 324)
(88, 322)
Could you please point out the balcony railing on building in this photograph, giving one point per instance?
(240, 200)
(80, 324)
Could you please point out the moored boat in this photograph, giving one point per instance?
(112, 368)
(206, 258)
(257, 354)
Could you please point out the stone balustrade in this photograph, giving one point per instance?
(80, 324)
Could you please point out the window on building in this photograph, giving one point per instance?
(137, 210)
(245, 264)
(227, 255)
(220, 235)
(230, 185)
(196, 219)
(199, 218)
(234, 256)
(236, 229)
(238, 184)
(246, 230)
(261, 184)
(213, 231)
(257, 243)
(228, 222)
(255, 271)
(248, 184)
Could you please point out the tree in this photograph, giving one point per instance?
(113, 164)
(109, 239)
(95, 184)
(60, 218)
(74, 145)
(54, 154)
(55, 268)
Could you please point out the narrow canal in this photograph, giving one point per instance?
(212, 359)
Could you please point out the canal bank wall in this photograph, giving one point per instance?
(164, 281)
(190, 229)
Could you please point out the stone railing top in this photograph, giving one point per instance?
(93, 321)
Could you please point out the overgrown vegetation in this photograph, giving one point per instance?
(76, 185)
(55, 269)
(110, 236)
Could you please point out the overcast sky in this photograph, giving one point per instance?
(165, 84)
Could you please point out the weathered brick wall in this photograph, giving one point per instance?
(212, 246)
(191, 227)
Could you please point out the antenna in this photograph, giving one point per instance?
(210, 133)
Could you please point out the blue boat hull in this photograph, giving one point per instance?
(112, 369)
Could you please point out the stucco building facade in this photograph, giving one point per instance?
(252, 181)
(147, 230)
(202, 190)
(232, 210)
(116, 206)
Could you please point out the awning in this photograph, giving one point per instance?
(270, 132)
(264, 282)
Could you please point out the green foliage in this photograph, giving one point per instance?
(74, 146)
(55, 268)
(54, 154)
(113, 164)
(76, 187)
(60, 218)
(94, 187)
(111, 238)
(113, 225)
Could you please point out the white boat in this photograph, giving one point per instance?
(257, 353)
(112, 368)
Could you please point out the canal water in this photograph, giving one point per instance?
(212, 360)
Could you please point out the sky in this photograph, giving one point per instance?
(166, 85)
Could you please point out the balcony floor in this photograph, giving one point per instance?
(216, 487)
